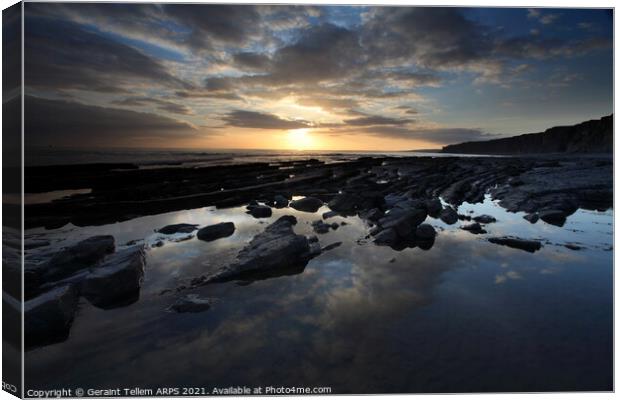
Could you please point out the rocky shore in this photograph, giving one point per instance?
(394, 196)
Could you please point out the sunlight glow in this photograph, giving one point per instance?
(300, 139)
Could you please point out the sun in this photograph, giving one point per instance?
(300, 139)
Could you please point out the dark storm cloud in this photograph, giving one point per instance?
(55, 121)
(163, 105)
(63, 55)
(251, 119)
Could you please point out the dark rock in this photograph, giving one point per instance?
(531, 218)
(117, 281)
(276, 251)
(403, 221)
(553, 217)
(217, 231)
(48, 317)
(474, 228)
(313, 239)
(522, 244)
(190, 304)
(374, 214)
(79, 256)
(425, 232)
(331, 246)
(280, 201)
(345, 202)
(386, 237)
(433, 207)
(449, 216)
(572, 246)
(307, 204)
(320, 227)
(485, 219)
(158, 243)
(260, 212)
(463, 217)
(178, 228)
(334, 225)
(329, 214)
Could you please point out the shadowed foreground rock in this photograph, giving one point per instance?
(77, 257)
(48, 317)
(276, 249)
(117, 281)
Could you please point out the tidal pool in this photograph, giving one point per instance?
(465, 315)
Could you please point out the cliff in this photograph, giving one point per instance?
(595, 136)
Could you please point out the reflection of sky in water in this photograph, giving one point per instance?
(466, 315)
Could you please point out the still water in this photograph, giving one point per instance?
(465, 315)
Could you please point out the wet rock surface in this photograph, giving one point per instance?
(528, 184)
(178, 228)
(217, 231)
(307, 204)
(77, 257)
(530, 246)
(260, 211)
(276, 250)
(48, 317)
(474, 228)
(117, 281)
(190, 303)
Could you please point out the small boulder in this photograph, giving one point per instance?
(217, 231)
(474, 228)
(449, 216)
(307, 204)
(260, 212)
(485, 219)
(329, 214)
(190, 304)
(320, 227)
(178, 228)
(48, 317)
(522, 244)
(425, 232)
(531, 218)
(280, 201)
(117, 280)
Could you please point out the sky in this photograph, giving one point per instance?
(308, 77)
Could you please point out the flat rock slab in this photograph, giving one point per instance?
(81, 255)
(48, 317)
(307, 204)
(277, 248)
(217, 231)
(178, 228)
(474, 228)
(530, 246)
(190, 304)
(117, 281)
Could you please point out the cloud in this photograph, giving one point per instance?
(376, 120)
(62, 55)
(545, 19)
(439, 136)
(160, 104)
(59, 122)
(251, 119)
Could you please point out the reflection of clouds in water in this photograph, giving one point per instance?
(352, 319)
